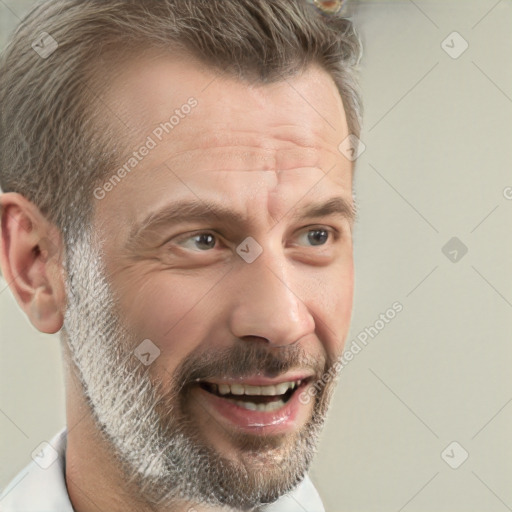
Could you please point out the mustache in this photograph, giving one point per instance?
(248, 358)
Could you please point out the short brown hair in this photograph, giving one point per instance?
(50, 148)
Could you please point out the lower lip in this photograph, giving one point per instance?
(282, 420)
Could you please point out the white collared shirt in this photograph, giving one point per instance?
(41, 486)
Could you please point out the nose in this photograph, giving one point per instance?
(266, 304)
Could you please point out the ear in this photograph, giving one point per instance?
(30, 259)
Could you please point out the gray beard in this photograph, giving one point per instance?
(156, 444)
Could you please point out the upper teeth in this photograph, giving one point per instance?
(241, 389)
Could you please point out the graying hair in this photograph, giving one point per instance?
(51, 148)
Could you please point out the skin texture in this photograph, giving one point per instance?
(264, 151)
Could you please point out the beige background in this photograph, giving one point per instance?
(437, 165)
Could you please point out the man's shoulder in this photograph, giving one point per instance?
(41, 485)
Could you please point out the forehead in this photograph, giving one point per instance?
(152, 86)
(235, 131)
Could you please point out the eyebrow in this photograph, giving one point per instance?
(190, 210)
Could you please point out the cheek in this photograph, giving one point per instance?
(345, 295)
(168, 311)
(333, 297)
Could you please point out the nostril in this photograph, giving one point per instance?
(253, 338)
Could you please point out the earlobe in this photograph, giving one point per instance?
(45, 313)
(30, 260)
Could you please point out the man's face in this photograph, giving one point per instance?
(240, 312)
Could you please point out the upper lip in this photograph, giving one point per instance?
(258, 380)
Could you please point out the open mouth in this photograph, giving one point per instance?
(255, 398)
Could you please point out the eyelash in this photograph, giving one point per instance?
(334, 236)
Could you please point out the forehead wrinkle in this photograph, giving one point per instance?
(246, 158)
(276, 137)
